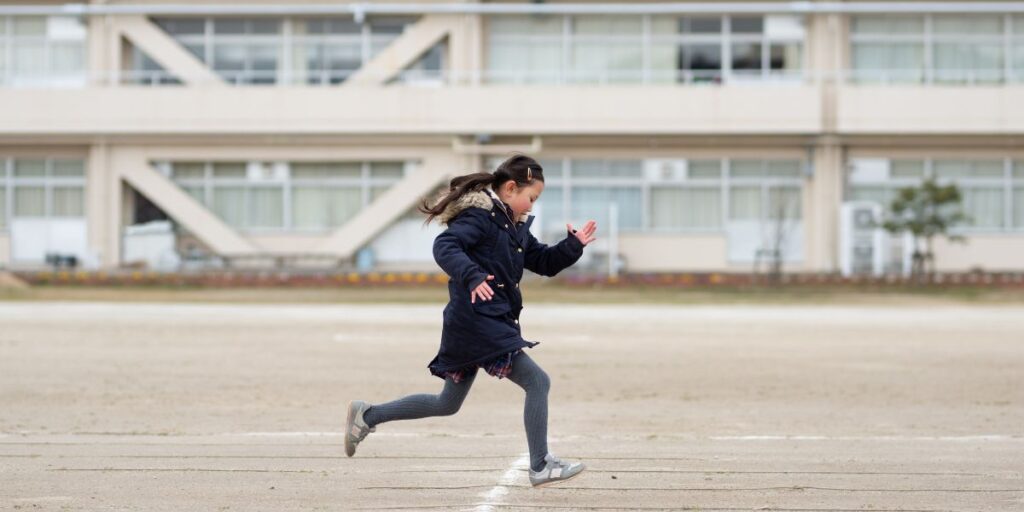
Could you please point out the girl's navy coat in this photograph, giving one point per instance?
(481, 240)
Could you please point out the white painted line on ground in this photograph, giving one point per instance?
(376, 434)
(870, 438)
(494, 495)
(621, 437)
(44, 498)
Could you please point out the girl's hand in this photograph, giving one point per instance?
(483, 290)
(586, 233)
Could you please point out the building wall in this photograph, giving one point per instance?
(465, 118)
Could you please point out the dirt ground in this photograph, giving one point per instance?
(224, 406)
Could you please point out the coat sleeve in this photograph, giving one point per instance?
(550, 260)
(466, 230)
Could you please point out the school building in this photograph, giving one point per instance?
(702, 136)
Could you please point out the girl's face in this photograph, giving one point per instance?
(521, 199)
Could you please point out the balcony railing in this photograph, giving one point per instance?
(526, 78)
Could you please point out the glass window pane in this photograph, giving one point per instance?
(746, 56)
(785, 58)
(784, 203)
(1018, 169)
(265, 26)
(984, 206)
(700, 62)
(229, 205)
(326, 170)
(3, 207)
(552, 209)
(704, 169)
(197, 192)
(890, 62)
(700, 25)
(880, 195)
(228, 170)
(263, 60)
(907, 169)
(232, 26)
(29, 168)
(266, 207)
(685, 208)
(605, 26)
(746, 168)
(386, 170)
(184, 26)
(745, 203)
(552, 169)
(1018, 206)
(68, 201)
(987, 169)
(67, 57)
(229, 57)
(189, 171)
(989, 25)
(888, 25)
(29, 25)
(950, 169)
(390, 26)
(625, 168)
(784, 168)
(29, 201)
(69, 168)
(29, 59)
(968, 62)
(591, 203)
(664, 61)
(607, 168)
(747, 24)
(320, 207)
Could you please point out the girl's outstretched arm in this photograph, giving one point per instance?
(550, 260)
(464, 231)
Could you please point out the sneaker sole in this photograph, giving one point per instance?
(560, 480)
(350, 449)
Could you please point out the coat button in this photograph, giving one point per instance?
(516, 321)
(506, 225)
(520, 249)
(517, 285)
(492, 214)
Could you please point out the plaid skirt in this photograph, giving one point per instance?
(498, 367)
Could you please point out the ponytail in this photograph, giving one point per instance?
(521, 169)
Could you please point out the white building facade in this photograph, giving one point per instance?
(724, 133)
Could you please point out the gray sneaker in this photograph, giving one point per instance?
(356, 428)
(555, 470)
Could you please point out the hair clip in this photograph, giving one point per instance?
(529, 174)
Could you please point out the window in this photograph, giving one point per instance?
(320, 51)
(525, 49)
(670, 195)
(607, 49)
(276, 196)
(1017, 197)
(889, 48)
(990, 188)
(968, 48)
(42, 50)
(41, 187)
(940, 48)
(643, 49)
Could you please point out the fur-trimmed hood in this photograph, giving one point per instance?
(478, 199)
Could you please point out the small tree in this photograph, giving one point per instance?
(925, 212)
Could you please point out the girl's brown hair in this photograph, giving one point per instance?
(519, 168)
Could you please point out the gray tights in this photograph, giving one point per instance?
(525, 373)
